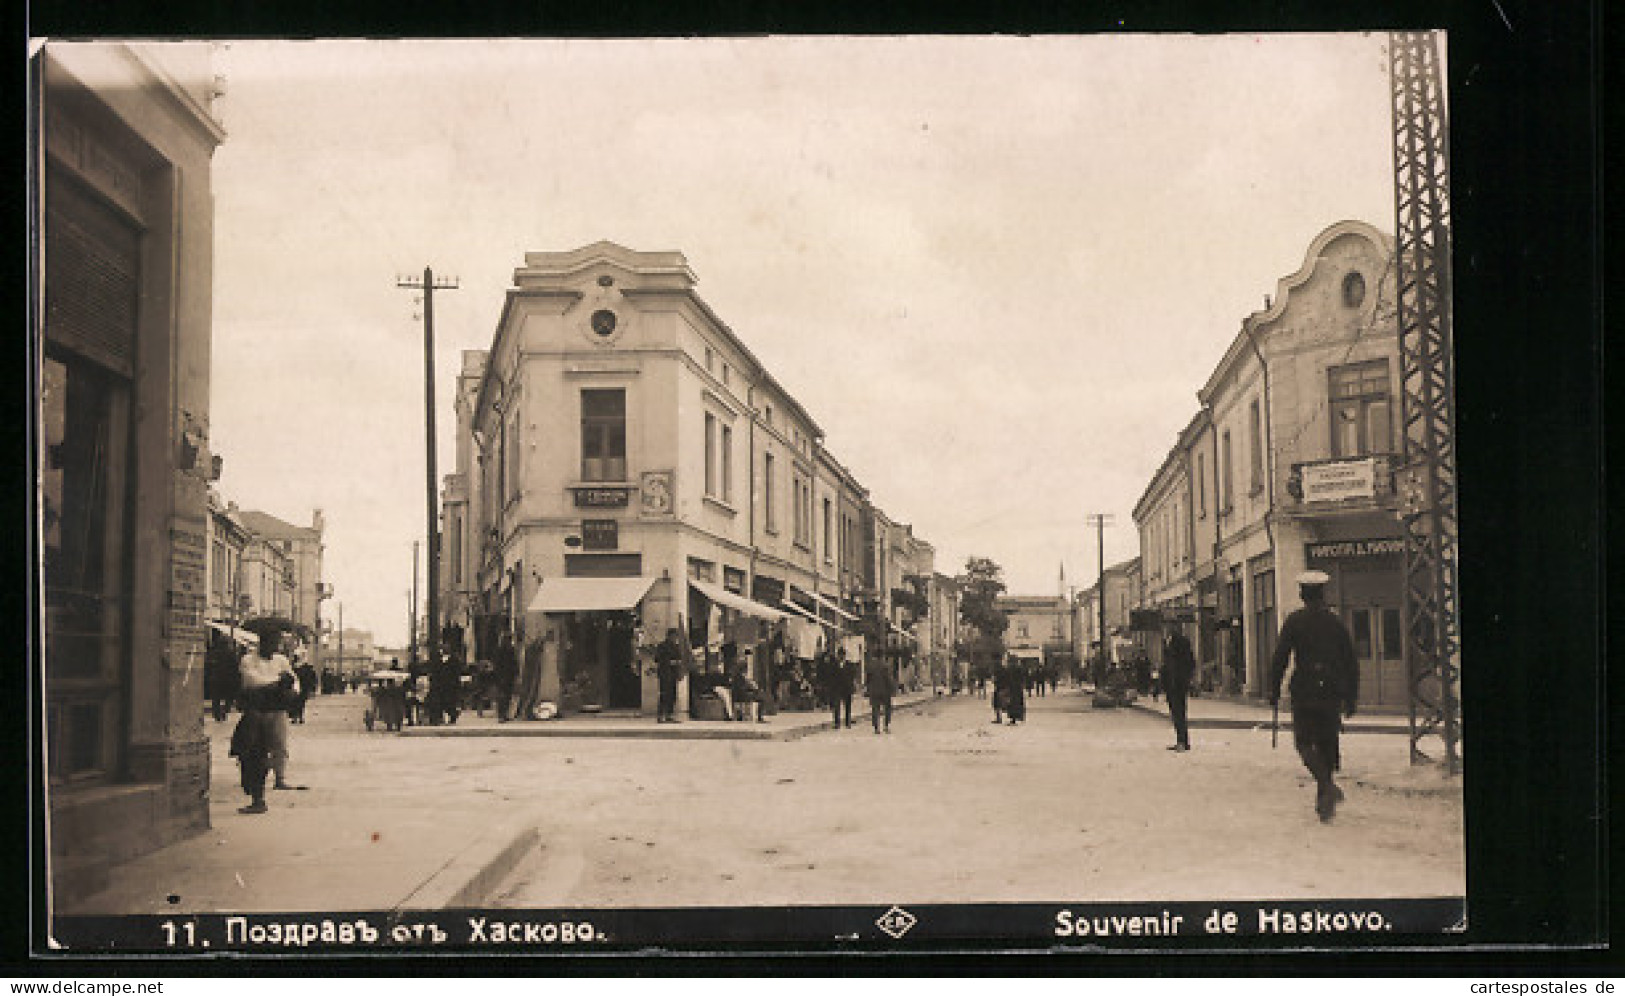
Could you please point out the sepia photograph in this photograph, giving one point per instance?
(586, 494)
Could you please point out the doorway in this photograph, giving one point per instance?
(1379, 640)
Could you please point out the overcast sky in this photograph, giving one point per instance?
(994, 270)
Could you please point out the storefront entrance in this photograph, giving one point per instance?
(599, 665)
(1379, 642)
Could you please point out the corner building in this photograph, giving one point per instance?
(626, 464)
(1294, 457)
(120, 354)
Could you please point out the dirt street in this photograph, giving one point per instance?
(1077, 804)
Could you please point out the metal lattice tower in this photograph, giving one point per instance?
(1427, 483)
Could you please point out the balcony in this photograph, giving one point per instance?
(1346, 483)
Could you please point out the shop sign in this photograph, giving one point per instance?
(658, 492)
(602, 497)
(733, 579)
(600, 534)
(1340, 480)
(1355, 549)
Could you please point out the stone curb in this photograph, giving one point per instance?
(1263, 723)
(475, 872)
(688, 730)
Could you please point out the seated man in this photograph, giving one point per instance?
(747, 698)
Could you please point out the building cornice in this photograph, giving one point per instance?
(185, 107)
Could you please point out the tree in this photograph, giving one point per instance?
(913, 598)
(980, 587)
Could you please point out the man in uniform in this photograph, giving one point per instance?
(669, 670)
(1178, 664)
(1325, 681)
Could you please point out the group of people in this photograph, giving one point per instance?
(223, 683)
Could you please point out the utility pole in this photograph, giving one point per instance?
(341, 640)
(428, 285)
(1100, 521)
(1427, 481)
(412, 654)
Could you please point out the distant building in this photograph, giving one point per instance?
(228, 540)
(1040, 627)
(350, 652)
(302, 548)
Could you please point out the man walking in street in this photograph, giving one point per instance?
(1178, 665)
(1325, 680)
(669, 670)
(840, 687)
(880, 686)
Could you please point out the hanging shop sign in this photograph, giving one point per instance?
(614, 497)
(1340, 480)
(1355, 549)
(600, 534)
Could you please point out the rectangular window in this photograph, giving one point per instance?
(1264, 618)
(802, 509)
(727, 445)
(710, 360)
(710, 455)
(511, 446)
(603, 434)
(1256, 446)
(1227, 493)
(1361, 409)
(454, 544)
(769, 495)
(1201, 485)
(828, 525)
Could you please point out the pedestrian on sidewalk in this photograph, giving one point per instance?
(1325, 680)
(1178, 665)
(306, 675)
(260, 740)
(504, 673)
(880, 687)
(221, 679)
(841, 682)
(669, 670)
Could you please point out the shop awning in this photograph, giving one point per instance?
(728, 600)
(803, 613)
(590, 594)
(826, 603)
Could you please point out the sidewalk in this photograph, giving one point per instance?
(362, 833)
(356, 835)
(783, 726)
(1223, 713)
(1214, 713)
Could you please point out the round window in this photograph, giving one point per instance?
(603, 322)
(1354, 290)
